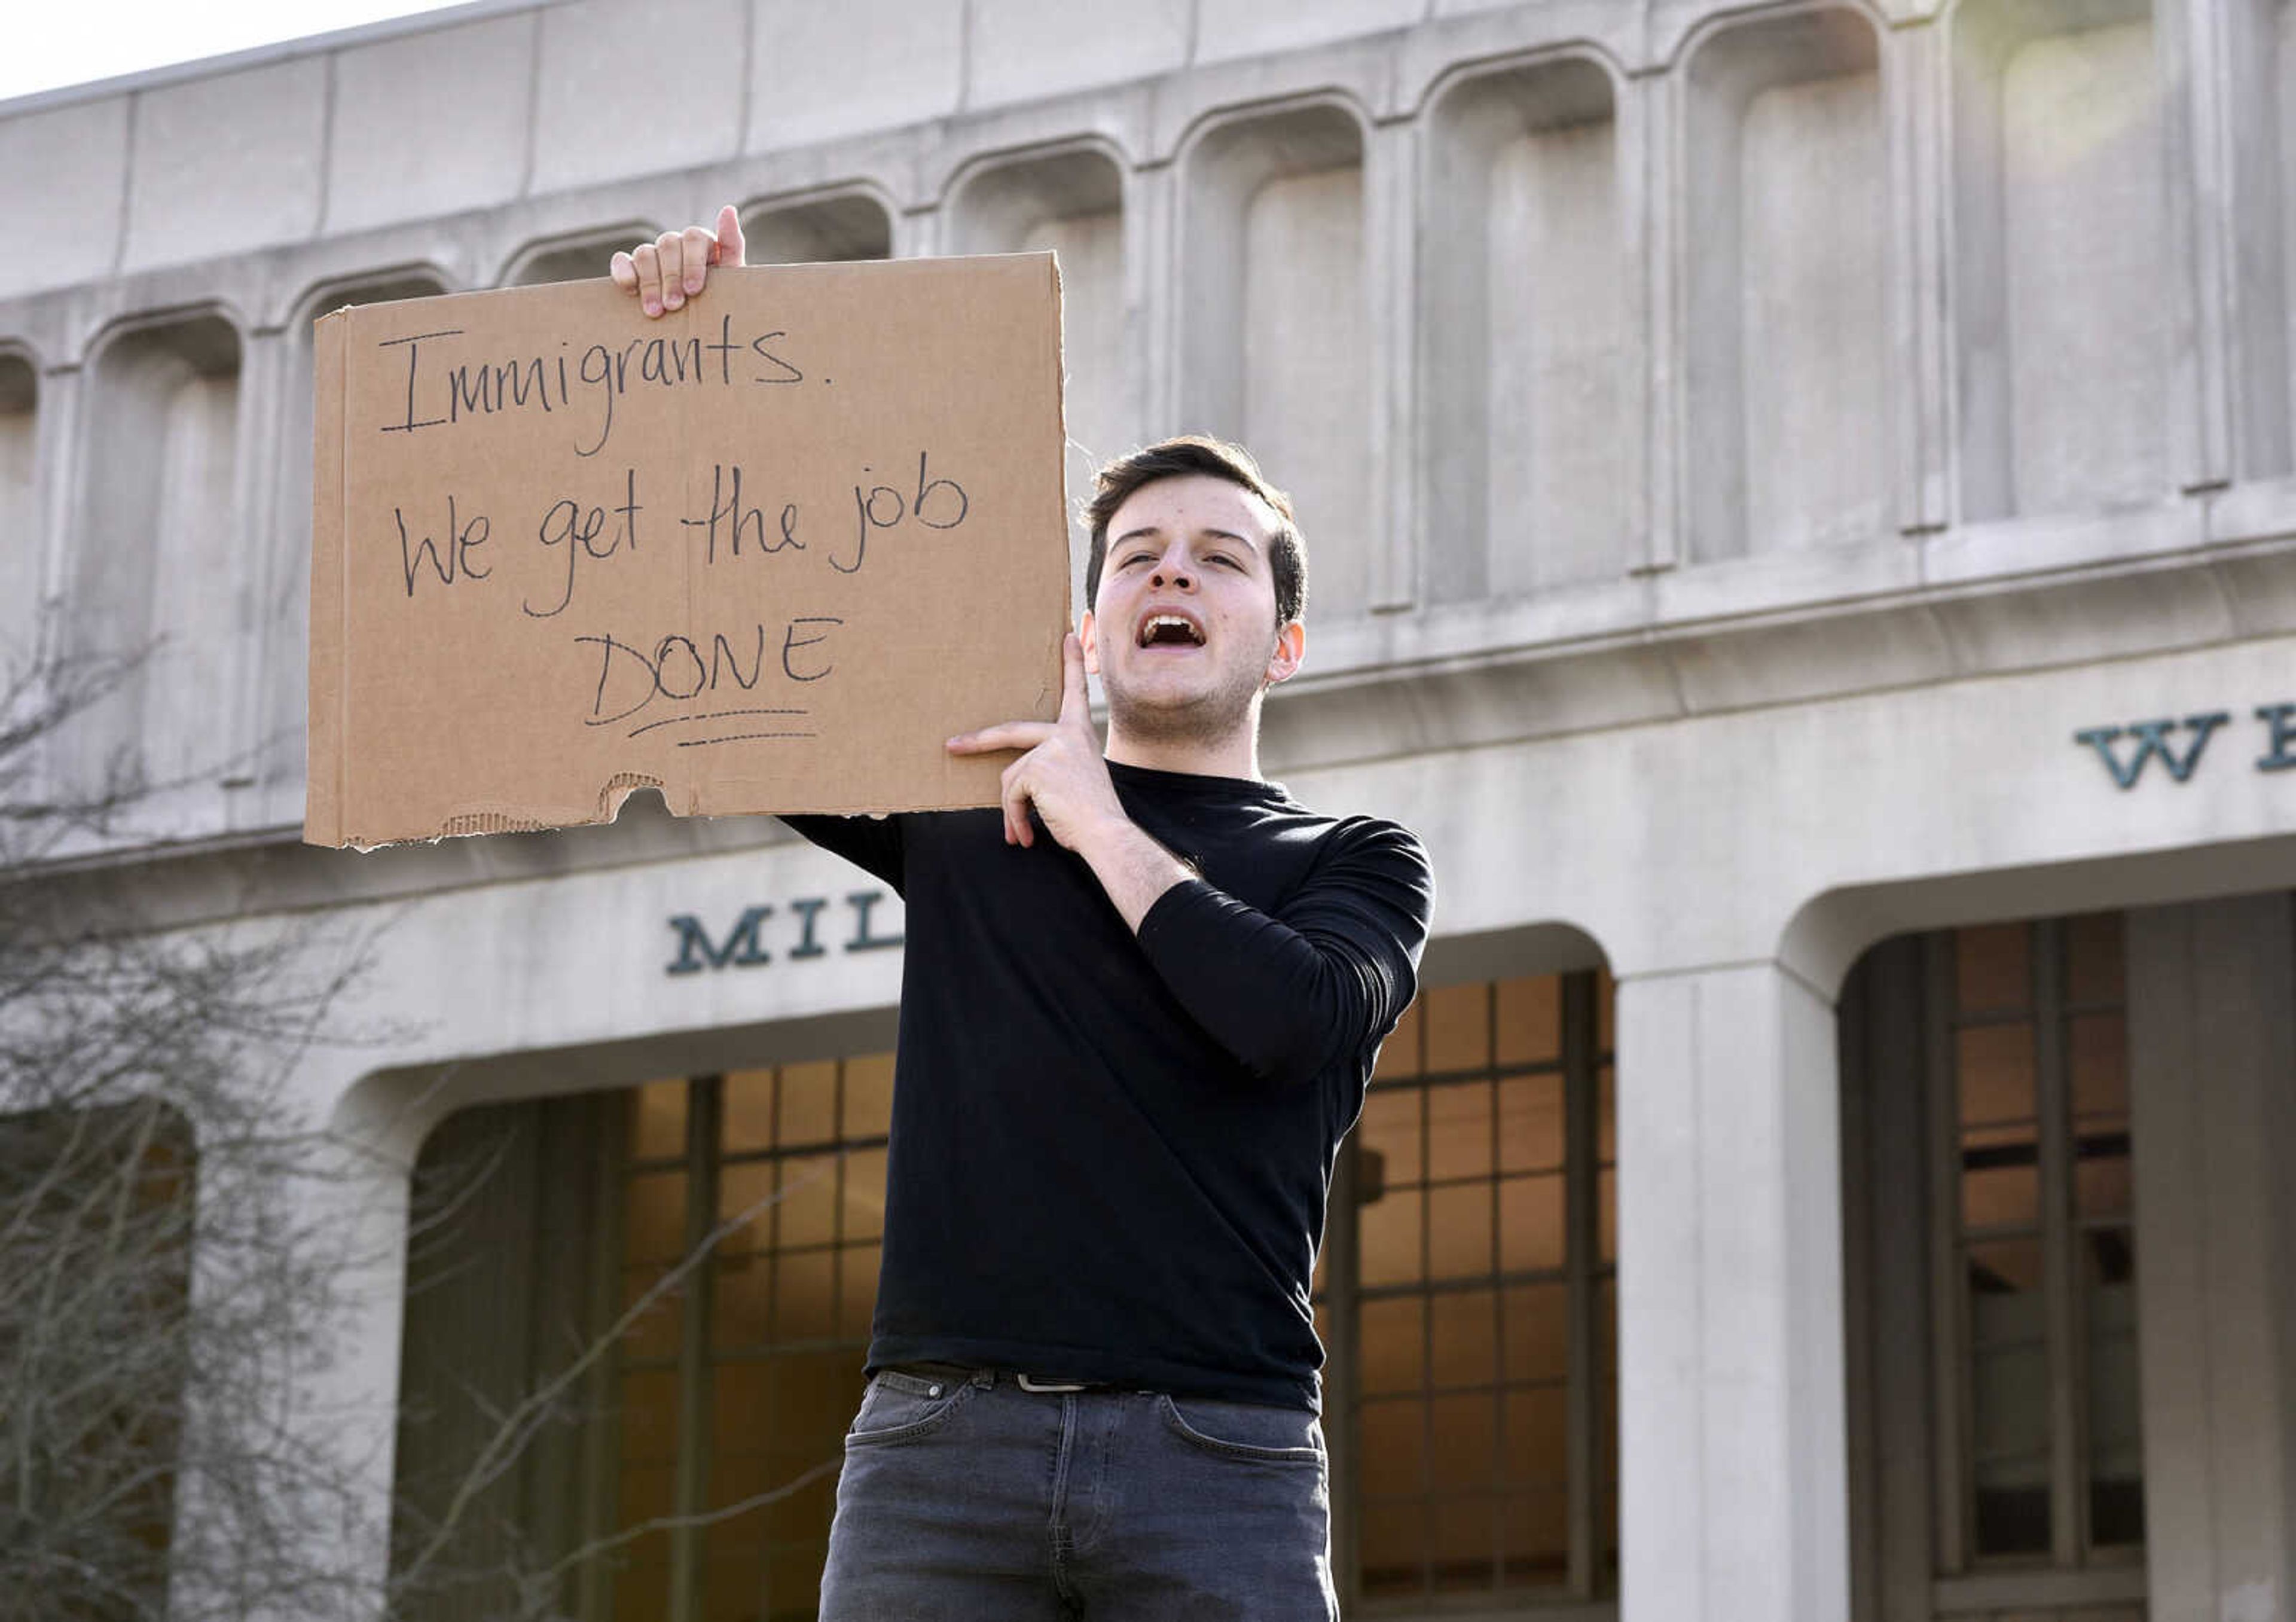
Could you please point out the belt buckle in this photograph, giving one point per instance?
(1047, 1387)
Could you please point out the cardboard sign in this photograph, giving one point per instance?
(765, 554)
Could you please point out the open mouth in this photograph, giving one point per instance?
(1168, 630)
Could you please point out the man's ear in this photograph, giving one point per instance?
(1086, 634)
(1290, 653)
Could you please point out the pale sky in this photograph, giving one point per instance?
(53, 44)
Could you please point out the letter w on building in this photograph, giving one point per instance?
(741, 950)
(2152, 738)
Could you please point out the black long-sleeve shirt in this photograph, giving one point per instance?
(1110, 1154)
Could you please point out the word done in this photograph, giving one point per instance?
(677, 669)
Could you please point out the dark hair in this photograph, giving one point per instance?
(1175, 458)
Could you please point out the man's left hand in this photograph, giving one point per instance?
(1063, 775)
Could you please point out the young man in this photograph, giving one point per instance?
(1139, 1006)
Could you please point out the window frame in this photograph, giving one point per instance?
(701, 1159)
(1590, 1591)
(2073, 1571)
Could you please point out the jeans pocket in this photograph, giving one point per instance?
(899, 1407)
(1252, 1431)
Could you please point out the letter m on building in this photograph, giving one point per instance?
(696, 952)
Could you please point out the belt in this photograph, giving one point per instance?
(956, 1373)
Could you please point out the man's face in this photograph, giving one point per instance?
(1184, 635)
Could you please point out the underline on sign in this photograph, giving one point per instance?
(714, 715)
(739, 738)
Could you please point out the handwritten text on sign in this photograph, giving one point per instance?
(764, 556)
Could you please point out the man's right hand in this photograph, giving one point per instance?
(672, 269)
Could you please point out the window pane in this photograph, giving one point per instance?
(1537, 1532)
(2109, 1258)
(1529, 1019)
(804, 1296)
(807, 1214)
(2116, 1484)
(1465, 1338)
(654, 1217)
(739, 1399)
(730, 1581)
(642, 1587)
(808, 1111)
(658, 1121)
(868, 1090)
(864, 1193)
(748, 1186)
(1531, 1124)
(1459, 1230)
(1393, 1435)
(1993, 968)
(2098, 1049)
(1459, 1130)
(740, 1300)
(1390, 1127)
(1394, 1549)
(649, 1420)
(1994, 1064)
(856, 1294)
(2005, 1275)
(1393, 1334)
(1537, 1330)
(1458, 1019)
(1466, 1546)
(1398, 1056)
(1387, 1234)
(1538, 1438)
(2008, 1397)
(1531, 1224)
(2010, 1467)
(2001, 1196)
(654, 1333)
(2093, 959)
(2101, 1181)
(746, 1111)
(1466, 1442)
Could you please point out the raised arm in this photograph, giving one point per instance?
(1291, 993)
(1285, 993)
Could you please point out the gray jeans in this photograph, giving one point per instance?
(974, 1501)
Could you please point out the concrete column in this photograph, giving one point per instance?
(1391, 231)
(264, 387)
(2212, 1058)
(1658, 116)
(1732, 1433)
(1151, 280)
(1914, 80)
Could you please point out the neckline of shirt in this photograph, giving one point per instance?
(1199, 784)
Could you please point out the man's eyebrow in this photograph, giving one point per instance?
(1148, 529)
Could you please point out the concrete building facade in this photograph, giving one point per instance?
(1803, 509)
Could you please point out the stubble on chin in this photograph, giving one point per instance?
(1207, 721)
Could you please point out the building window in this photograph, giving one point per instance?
(1479, 1365)
(2036, 1297)
(734, 1389)
(730, 1225)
